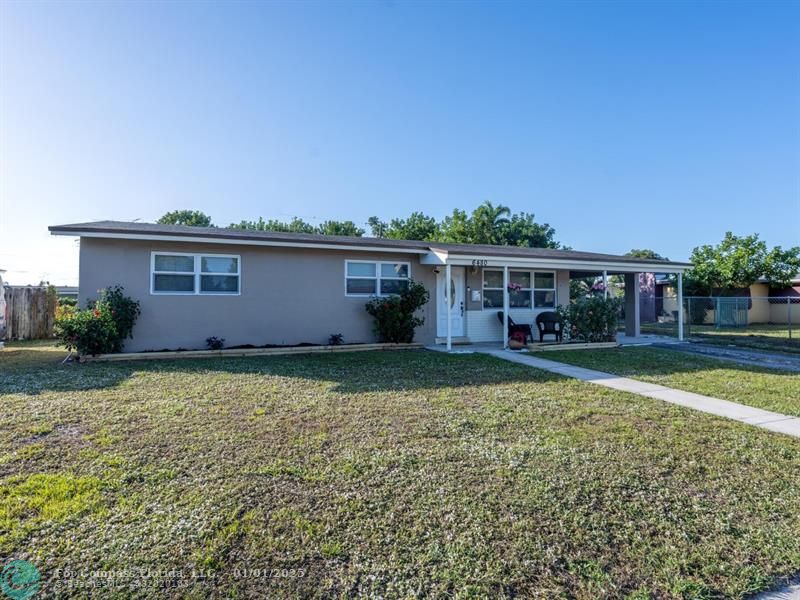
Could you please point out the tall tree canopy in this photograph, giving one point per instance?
(340, 228)
(737, 262)
(298, 225)
(194, 218)
(417, 227)
(488, 224)
(645, 253)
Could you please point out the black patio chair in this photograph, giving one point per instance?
(550, 323)
(514, 327)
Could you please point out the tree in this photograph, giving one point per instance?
(417, 227)
(738, 262)
(296, 225)
(194, 218)
(645, 253)
(339, 228)
(377, 227)
(456, 228)
(523, 230)
(488, 223)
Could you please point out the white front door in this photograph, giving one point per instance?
(457, 283)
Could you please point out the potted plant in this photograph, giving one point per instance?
(516, 340)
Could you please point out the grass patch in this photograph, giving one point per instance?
(386, 474)
(770, 389)
(27, 502)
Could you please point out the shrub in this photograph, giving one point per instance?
(68, 301)
(100, 329)
(698, 309)
(335, 339)
(65, 310)
(215, 343)
(394, 315)
(591, 319)
(90, 331)
(123, 310)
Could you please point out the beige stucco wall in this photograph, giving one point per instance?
(288, 296)
(781, 313)
(762, 310)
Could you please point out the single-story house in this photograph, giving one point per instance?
(257, 287)
(67, 291)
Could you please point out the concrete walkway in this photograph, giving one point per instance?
(723, 408)
(790, 591)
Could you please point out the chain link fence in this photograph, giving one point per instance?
(763, 322)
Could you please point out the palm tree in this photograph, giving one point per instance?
(487, 223)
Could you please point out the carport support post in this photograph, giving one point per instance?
(605, 284)
(505, 307)
(448, 301)
(632, 316)
(680, 306)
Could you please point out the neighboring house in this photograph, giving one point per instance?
(67, 291)
(258, 288)
(762, 302)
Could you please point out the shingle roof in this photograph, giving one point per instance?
(135, 229)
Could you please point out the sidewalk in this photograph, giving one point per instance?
(723, 408)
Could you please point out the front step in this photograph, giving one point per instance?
(460, 340)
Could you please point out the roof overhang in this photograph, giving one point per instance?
(441, 257)
(235, 242)
(429, 254)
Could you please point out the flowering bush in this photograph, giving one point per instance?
(591, 319)
(90, 331)
(100, 329)
(123, 310)
(394, 315)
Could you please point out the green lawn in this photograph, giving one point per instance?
(771, 389)
(392, 474)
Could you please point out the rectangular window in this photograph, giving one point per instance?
(219, 274)
(492, 289)
(364, 278)
(195, 274)
(544, 289)
(519, 293)
(527, 289)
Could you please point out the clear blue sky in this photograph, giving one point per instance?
(622, 124)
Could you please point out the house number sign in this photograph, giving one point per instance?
(479, 262)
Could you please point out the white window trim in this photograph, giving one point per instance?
(533, 289)
(196, 273)
(491, 289)
(377, 277)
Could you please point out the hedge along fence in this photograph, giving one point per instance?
(31, 312)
